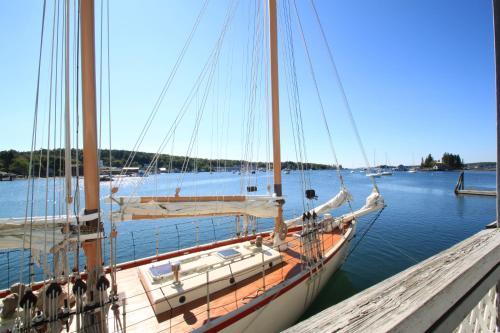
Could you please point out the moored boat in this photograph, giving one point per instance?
(238, 284)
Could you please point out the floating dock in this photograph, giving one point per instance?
(5, 176)
(460, 190)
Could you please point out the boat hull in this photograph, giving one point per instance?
(281, 306)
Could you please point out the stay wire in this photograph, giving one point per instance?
(365, 232)
(320, 100)
(30, 182)
(166, 86)
(76, 202)
(112, 255)
(179, 116)
(206, 69)
(343, 92)
(295, 105)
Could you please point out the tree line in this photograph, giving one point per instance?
(448, 162)
(17, 162)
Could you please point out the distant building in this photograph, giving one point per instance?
(401, 167)
(130, 170)
(107, 170)
(439, 166)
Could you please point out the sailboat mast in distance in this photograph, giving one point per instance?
(273, 27)
(90, 166)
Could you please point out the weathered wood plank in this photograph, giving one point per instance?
(415, 299)
(461, 190)
(476, 192)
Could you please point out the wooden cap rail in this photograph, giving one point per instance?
(228, 198)
(434, 295)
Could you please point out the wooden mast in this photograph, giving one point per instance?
(273, 31)
(90, 164)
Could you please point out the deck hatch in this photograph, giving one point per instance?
(160, 270)
(228, 253)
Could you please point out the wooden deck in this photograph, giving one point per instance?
(141, 317)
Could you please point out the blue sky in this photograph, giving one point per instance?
(419, 75)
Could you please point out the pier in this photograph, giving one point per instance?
(461, 190)
(453, 291)
(5, 176)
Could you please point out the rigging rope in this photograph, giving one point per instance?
(76, 202)
(30, 182)
(112, 245)
(370, 225)
(193, 93)
(166, 86)
(55, 14)
(295, 106)
(320, 100)
(342, 90)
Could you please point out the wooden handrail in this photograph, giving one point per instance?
(423, 297)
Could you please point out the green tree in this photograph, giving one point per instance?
(429, 161)
(452, 161)
(6, 158)
(19, 165)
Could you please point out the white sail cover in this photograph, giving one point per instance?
(374, 202)
(47, 233)
(338, 200)
(136, 208)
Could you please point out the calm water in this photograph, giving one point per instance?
(422, 218)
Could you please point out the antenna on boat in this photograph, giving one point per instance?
(279, 225)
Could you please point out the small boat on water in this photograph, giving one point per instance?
(105, 178)
(374, 174)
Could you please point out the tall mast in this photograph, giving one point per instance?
(273, 31)
(90, 164)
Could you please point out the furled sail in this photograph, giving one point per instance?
(46, 232)
(374, 202)
(338, 200)
(140, 208)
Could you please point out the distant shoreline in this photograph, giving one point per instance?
(16, 163)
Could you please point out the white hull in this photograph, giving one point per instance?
(281, 306)
(376, 175)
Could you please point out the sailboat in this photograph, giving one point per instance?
(249, 282)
